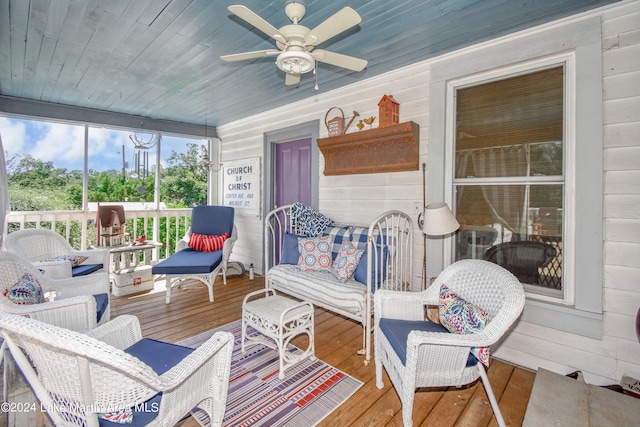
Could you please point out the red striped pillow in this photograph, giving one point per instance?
(206, 242)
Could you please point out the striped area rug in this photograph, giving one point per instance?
(310, 391)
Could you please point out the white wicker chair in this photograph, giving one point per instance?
(76, 376)
(436, 359)
(73, 306)
(38, 245)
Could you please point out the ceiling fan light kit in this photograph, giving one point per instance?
(296, 43)
(296, 62)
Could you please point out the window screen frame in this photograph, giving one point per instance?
(581, 39)
(567, 61)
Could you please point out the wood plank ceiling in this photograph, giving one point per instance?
(161, 58)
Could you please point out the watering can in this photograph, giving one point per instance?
(336, 126)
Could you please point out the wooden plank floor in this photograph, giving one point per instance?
(337, 340)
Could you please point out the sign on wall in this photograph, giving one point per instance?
(242, 185)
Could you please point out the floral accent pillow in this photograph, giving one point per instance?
(75, 260)
(315, 253)
(207, 242)
(25, 291)
(346, 261)
(462, 317)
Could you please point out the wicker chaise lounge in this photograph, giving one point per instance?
(202, 265)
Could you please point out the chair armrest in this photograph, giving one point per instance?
(121, 332)
(448, 340)
(54, 269)
(214, 353)
(399, 305)
(227, 246)
(95, 283)
(77, 313)
(184, 242)
(96, 256)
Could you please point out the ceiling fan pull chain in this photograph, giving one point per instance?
(315, 72)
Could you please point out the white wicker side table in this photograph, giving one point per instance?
(279, 320)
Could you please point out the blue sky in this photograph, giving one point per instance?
(63, 144)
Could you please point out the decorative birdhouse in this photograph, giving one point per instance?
(111, 225)
(388, 111)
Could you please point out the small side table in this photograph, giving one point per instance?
(279, 320)
(129, 273)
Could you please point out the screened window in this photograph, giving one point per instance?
(509, 179)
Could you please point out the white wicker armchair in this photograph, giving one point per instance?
(38, 245)
(74, 305)
(78, 376)
(436, 359)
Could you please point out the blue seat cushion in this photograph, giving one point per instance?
(160, 356)
(397, 332)
(189, 261)
(84, 269)
(102, 301)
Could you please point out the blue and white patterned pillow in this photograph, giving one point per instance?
(462, 317)
(25, 291)
(310, 222)
(359, 236)
(340, 236)
(315, 253)
(346, 262)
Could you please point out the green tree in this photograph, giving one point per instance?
(185, 177)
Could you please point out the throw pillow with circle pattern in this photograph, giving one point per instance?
(460, 316)
(346, 261)
(25, 291)
(315, 253)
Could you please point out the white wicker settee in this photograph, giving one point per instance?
(387, 244)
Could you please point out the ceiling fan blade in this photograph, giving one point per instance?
(254, 19)
(332, 26)
(250, 55)
(292, 79)
(340, 60)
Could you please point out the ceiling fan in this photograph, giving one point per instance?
(296, 43)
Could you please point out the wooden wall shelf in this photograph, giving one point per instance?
(388, 149)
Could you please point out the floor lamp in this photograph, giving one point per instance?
(436, 220)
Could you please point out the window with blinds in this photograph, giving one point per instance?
(508, 175)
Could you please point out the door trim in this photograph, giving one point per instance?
(309, 129)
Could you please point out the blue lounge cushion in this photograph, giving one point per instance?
(397, 332)
(102, 301)
(212, 220)
(160, 356)
(84, 269)
(189, 261)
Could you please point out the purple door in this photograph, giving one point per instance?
(293, 172)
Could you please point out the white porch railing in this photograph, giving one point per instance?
(79, 227)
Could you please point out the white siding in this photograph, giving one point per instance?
(359, 198)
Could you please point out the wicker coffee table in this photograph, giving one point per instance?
(279, 320)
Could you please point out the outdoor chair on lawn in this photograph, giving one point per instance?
(79, 303)
(522, 258)
(419, 353)
(204, 251)
(111, 373)
(53, 254)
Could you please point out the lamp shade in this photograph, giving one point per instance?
(439, 220)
